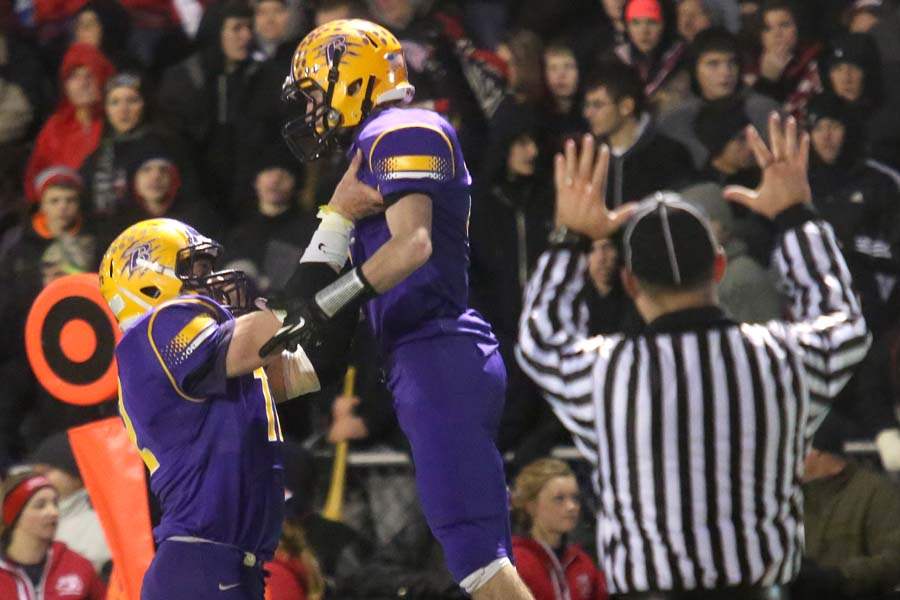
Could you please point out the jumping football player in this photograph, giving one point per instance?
(349, 81)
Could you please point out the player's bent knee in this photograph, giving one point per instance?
(478, 578)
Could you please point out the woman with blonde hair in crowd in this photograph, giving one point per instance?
(546, 507)
(294, 573)
(32, 565)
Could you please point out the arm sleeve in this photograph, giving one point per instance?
(553, 348)
(189, 340)
(828, 323)
(531, 571)
(413, 159)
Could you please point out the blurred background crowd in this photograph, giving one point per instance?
(113, 111)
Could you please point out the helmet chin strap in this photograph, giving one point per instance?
(333, 75)
(367, 99)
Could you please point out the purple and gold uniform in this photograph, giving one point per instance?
(213, 448)
(446, 374)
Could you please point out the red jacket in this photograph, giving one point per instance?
(64, 140)
(286, 580)
(573, 578)
(67, 576)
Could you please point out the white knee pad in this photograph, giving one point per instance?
(473, 581)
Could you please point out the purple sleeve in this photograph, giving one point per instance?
(190, 340)
(413, 159)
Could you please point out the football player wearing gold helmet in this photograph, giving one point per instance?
(348, 82)
(198, 398)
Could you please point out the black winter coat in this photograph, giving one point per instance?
(654, 162)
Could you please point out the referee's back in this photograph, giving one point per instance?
(698, 427)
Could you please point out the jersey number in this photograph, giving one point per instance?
(274, 425)
(146, 455)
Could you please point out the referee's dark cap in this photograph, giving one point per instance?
(669, 243)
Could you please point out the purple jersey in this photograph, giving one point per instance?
(410, 150)
(212, 444)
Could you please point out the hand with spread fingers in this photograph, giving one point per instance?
(580, 190)
(784, 169)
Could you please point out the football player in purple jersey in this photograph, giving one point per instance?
(199, 401)
(349, 82)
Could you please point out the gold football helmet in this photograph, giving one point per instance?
(156, 260)
(340, 71)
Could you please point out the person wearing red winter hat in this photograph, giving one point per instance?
(32, 565)
(73, 131)
(653, 48)
(546, 505)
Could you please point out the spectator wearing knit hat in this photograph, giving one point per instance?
(32, 564)
(715, 70)
(79, 527)
(73, 131)
(721, 128)
(852, 71)
(653, 48)
(860, 197)
(56, 215)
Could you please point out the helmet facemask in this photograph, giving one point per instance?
(315, 130)
(195, 267)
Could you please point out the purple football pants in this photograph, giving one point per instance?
(201, 571)
(448, 394)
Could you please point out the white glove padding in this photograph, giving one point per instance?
(299, 375)
(888, 443)
(331, 241)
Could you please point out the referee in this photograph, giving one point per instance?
(698, 426)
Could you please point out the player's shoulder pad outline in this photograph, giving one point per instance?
(202, 319)
(430, 154)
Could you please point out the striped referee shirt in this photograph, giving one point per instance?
(698, 427)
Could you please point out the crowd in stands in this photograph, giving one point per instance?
(114, 111)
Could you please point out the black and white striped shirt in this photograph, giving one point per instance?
(698, 427)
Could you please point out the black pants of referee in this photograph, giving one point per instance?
(775, 592)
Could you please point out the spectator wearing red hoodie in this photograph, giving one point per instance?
(32, 565)
(73, 131)
(546, 504)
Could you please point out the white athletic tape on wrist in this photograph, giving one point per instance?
(888, 443)
(299, 375)
(330, 243)
(339, 294)
(472, 582)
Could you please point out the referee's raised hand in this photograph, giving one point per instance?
(581, 189)
(784, 169)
